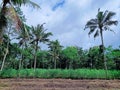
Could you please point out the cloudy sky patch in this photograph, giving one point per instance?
(66, 19)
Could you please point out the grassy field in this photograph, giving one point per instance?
(58, 73)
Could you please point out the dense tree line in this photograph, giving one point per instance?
(71, 57)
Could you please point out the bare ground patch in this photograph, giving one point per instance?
(58, 84)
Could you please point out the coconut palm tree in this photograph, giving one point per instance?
(101, 23)
(39, 35)
(8, 12)
(24, 39)
(55, 49)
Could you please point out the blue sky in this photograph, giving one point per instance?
(66, 20)
(60, 3)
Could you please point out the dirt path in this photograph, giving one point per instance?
(58, 84)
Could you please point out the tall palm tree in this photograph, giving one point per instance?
(8, 12)
(55, 49)
(101, 23)
(39, 35)
(24, 39)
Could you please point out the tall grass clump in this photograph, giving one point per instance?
(10, 73)
(60, 73)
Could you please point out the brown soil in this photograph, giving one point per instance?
(58, 84)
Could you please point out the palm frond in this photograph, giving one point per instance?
(92, 29)
(24, 2)
(96, 34)
(26, 31)
(108, 28)
(44, 40)
(104, 16)
(109, 23)
(111, 30)
(47, 35)
(109, 16)
(13, 17)
(91, 23)
(19, 2)
(34, 5)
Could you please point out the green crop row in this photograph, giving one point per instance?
(58, 73)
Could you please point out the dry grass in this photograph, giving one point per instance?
(58, 84)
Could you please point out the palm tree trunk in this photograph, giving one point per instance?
(54, 59)
(6, 52)
(20, 61)
(35, 56)
(103, 53)
(19, 64)
(54, 63)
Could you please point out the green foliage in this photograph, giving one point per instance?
(54, 52)
(71, 56)
(70, 53)
(113, 57)
(94, 58)
(9, 73)
(58, 73)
